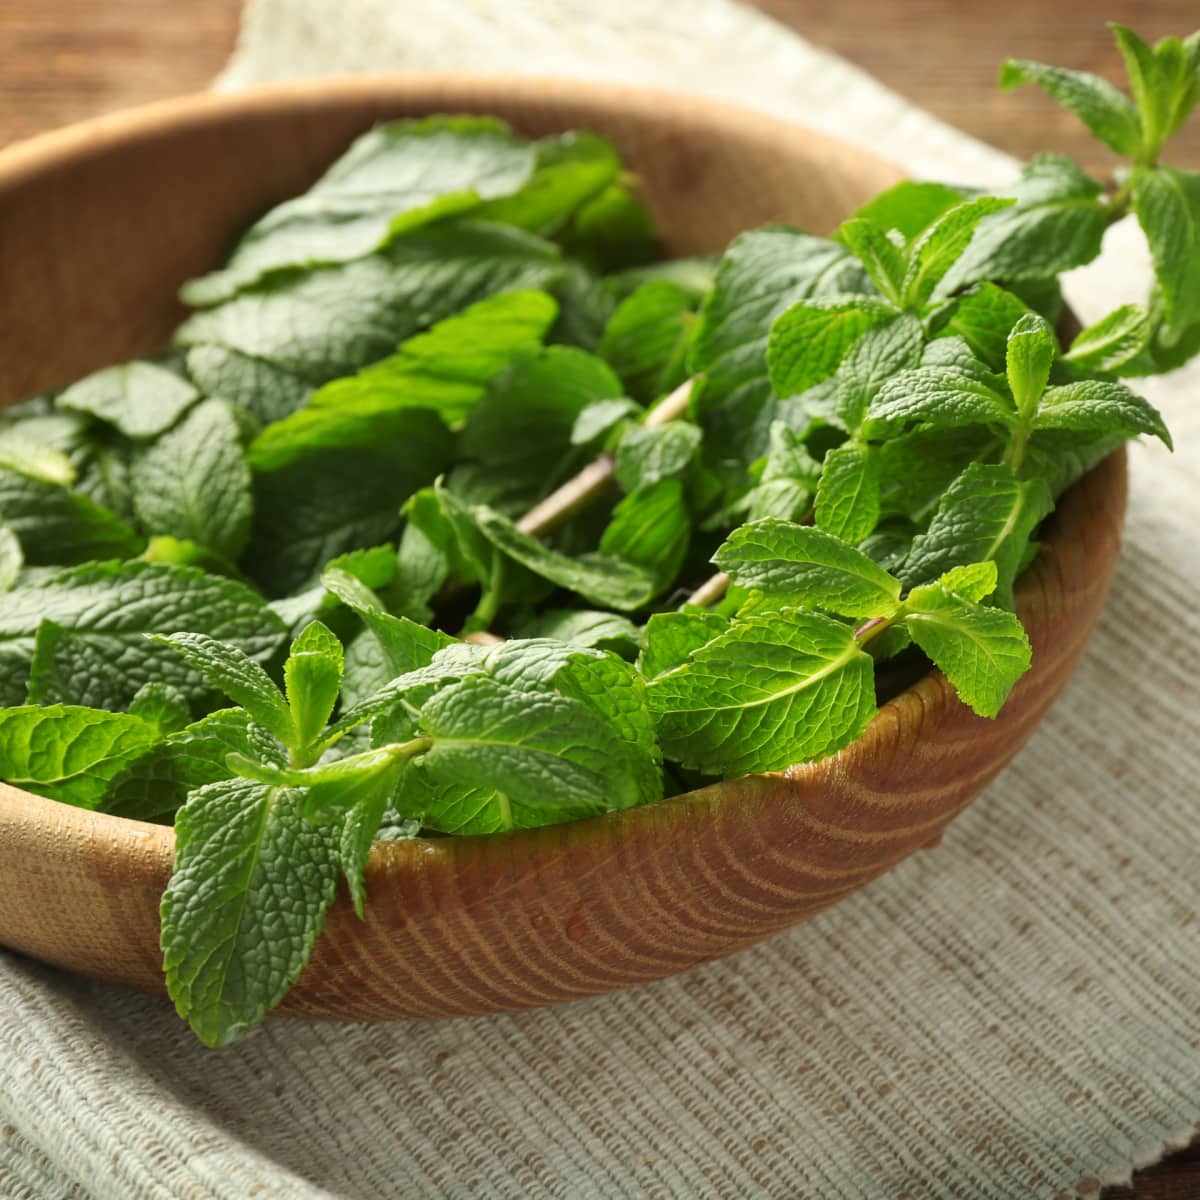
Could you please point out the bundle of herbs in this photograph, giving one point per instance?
(412, 531)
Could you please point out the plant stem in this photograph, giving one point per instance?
(874, 627)
(592, 482)
(710, 591)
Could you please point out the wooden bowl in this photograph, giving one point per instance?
(105, 220)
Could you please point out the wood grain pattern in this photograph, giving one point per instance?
(486, 924)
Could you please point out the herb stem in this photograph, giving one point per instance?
(591, 483)
(709, 592)
(873, 628)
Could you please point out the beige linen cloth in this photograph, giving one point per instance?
(1014, 1015)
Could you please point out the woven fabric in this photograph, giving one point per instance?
(1010, 1016)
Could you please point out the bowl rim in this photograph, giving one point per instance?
(908, 709)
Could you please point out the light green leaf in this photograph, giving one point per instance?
(651, 528)
(879, 354)
(940, 247)
(1100, 406)
(982, 651)
(359, 831)
(600, 418)
(799, 565)
(1113, 341)
(934, 396)
(646, 339)
(975, 581)
(164, 706)
(69, 753)
(586, 628)
(193, 482)
(239, 677)
(848, 493)
(647, 454)
(883, 259)
(1106, 111)
(984, 316)
(1146, 84)
(1167, 203)
(139, 399)
(774, 690)
(58, 526)
(67, 669)
(672, 637)
(247, 900)
(809, 340)
(986, 514)
(33, 459)
(1031, 352)
(398, 176)
(11, 558)
(312, 679)
(910, 206)
(788, 480)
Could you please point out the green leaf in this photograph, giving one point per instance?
(809, 340)
(1146, 84)
(774, 690)
(58, 526)
(982, 651)
(1057, 223)
(646, 339)
(536, 748)
(940, 247)
(1106, 111)
(245, 904)
(193, 482)
(883, 259)
(113, 605)
(239, 677)
(1032, 349)
(1100, 406)
(139, 399)
(359, 831)
(600, 418)
(164, 706)
(398, 176)
(848, 493)
(11, 558)
(67, 669)
(586, 628)
(940, 397)
(599, 578)
(984, 317)
(155, 785)
(671, 638)
(986, 514)
(69, 753)
(611, 231)
(788, 480)
(879, 354)
(910, 207)
(521, 430)
(267, 348)
(312, 679)
(647, 454)
(975, 581)
(1167, 203)
(1113, 341)
(651, 528)
(799, 565)
(918, 467)
(761, 275)
(338, 490)
(30, 458)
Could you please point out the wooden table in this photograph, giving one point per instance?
(63, 60)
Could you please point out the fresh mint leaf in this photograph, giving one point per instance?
(1032, 349)
(400, 175)
(312, 679)
(58, 526)
(586, 628)
(652, 529)
(788, 480)
(11, 558)
(848, 495)
(139, 399)
(1113, 342)
(987, 514)
(599, 419)
(1147, 85)
(240, 678)
(799, 565)
(164, 706)
(112, 606)
(1057, 223)
(1167, 203)
(1106, 111)
(611, 231)
(359, 831)
(936, 397)
(193, 482)
(883, 259)
(245, 904)
(23, 455)
(69, 753)
(67, 669)
(982, 651)
(910, 207)
(647, 454)
(983, 317)
(1100, 406)
(811, 338)
(646, 339)
(879, 354)
(271, 345)
(974, 581)
(672, 637)
(153, 786)
(941, 246)
(774, 690)
(918, 467)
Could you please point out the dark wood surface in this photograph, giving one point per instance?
(64, 60)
